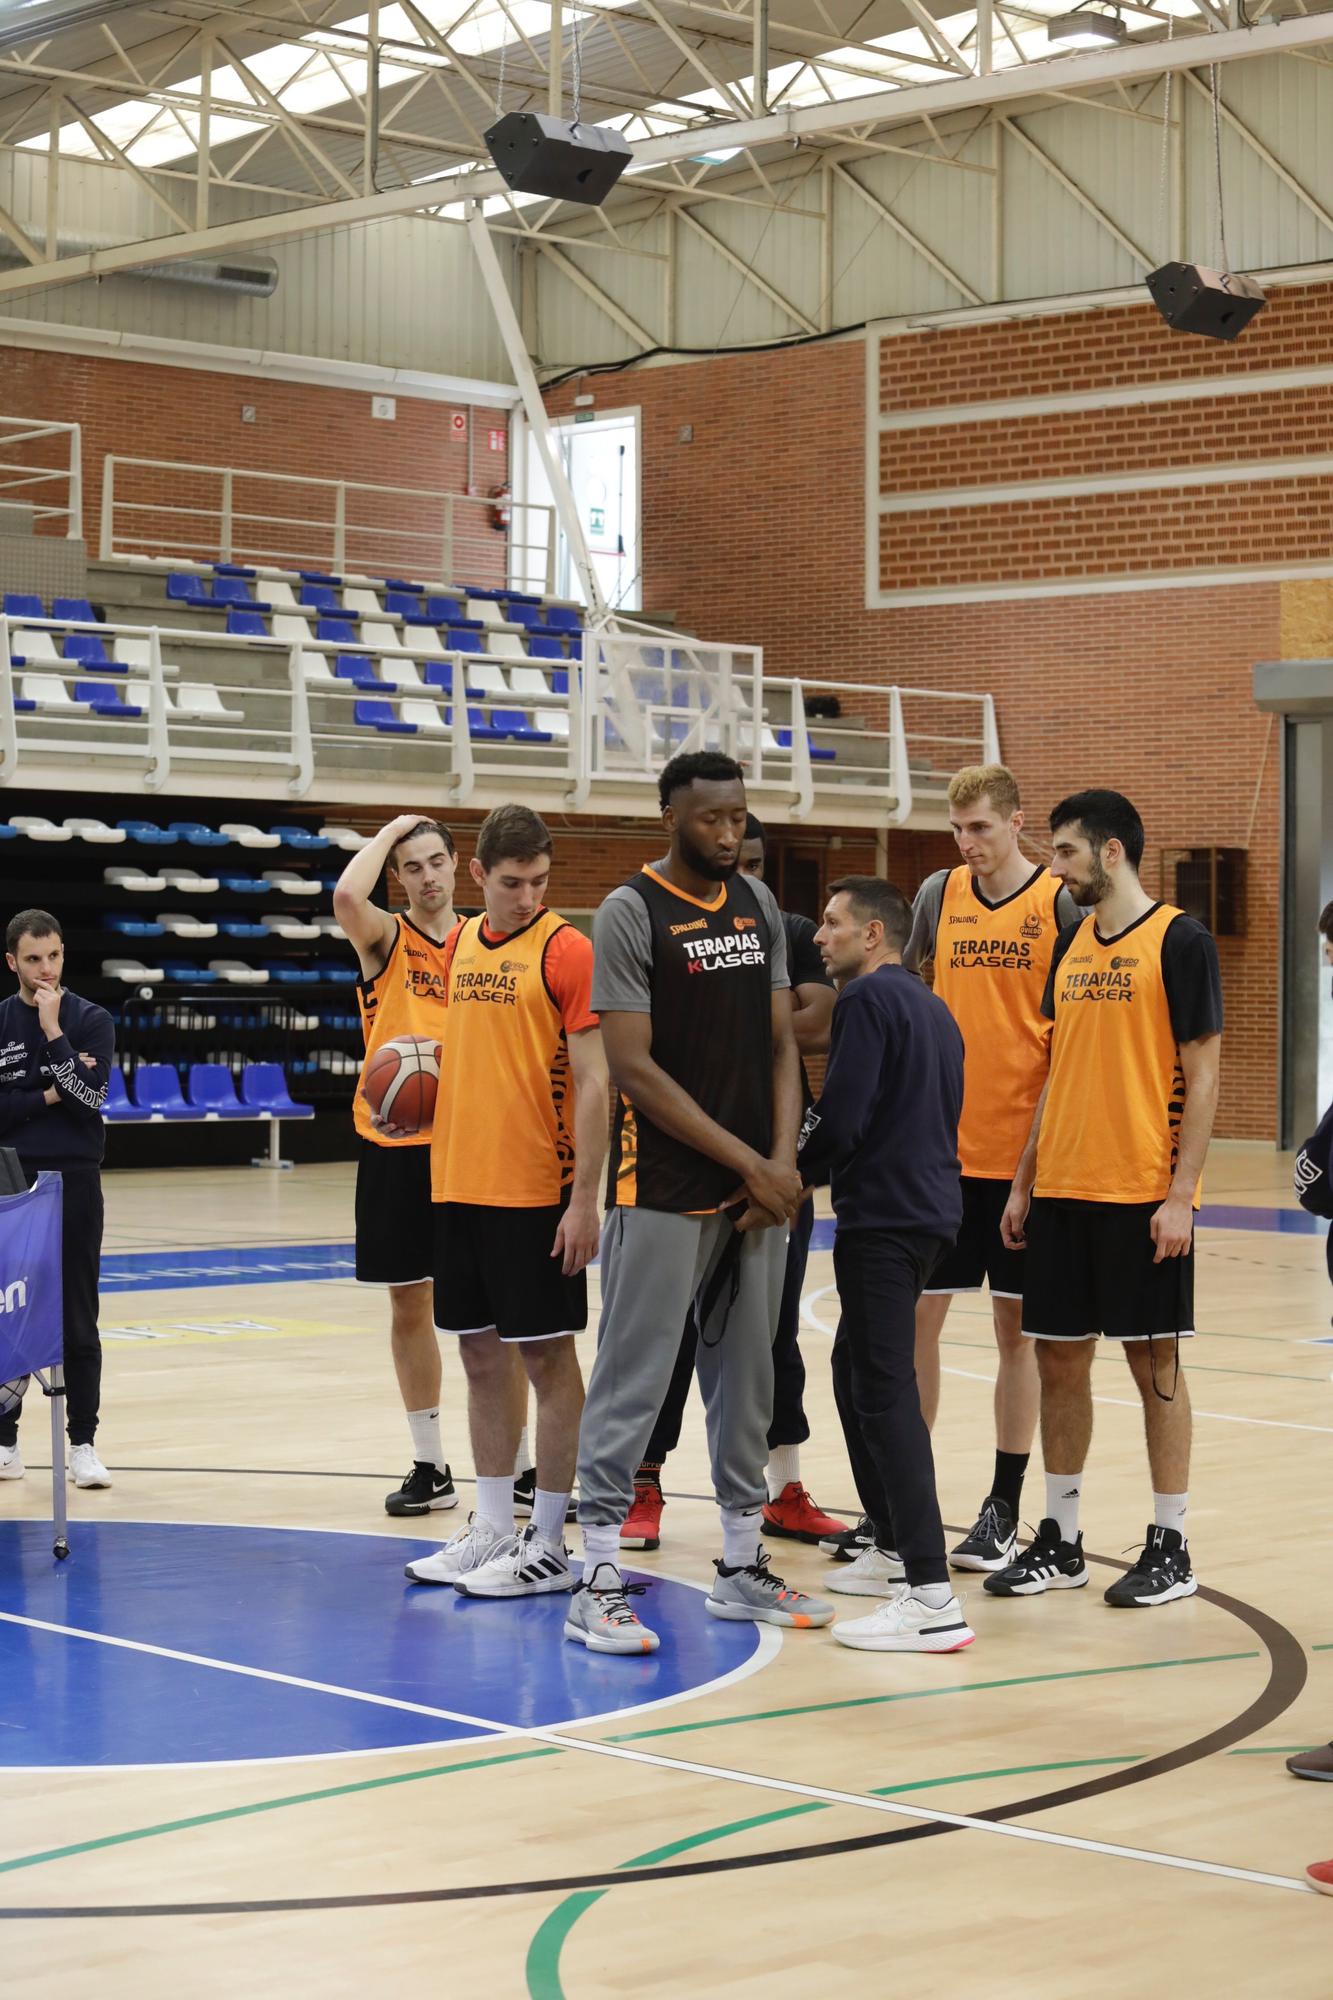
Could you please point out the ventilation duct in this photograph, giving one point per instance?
(239, 272)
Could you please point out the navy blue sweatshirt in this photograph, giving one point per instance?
(1313, 1177)
(887, 1121)
(70, 1132)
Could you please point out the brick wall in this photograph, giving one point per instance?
(147, 411)
(754, 533)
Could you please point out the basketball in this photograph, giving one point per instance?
(400, 1082)
(12, 1394)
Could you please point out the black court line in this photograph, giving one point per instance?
(1287, 1672)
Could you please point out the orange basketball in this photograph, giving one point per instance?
(400, 1082)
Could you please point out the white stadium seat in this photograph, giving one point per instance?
(423, 715)
(37, 828)
(237, 973)
(249, 836)
(186, 927)
(190, 882)
(98, 832)
(137, 879)
(132, 972)
(48, 691)
(205, 704)
(345, 837)
(291, 927)
(290, 883)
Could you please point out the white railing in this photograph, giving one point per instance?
(58, 466)
(226, 513)
(637, 700)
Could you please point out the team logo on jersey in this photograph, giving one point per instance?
(744, 923)
(1122, 964)
(508, 965)
(1030, 926)
(410, 951)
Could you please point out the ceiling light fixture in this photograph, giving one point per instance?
(1086, 28)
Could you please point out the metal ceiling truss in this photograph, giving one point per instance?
(365, 157)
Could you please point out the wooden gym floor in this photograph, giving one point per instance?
(239, 1759)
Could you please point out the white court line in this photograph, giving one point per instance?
(497, 1732)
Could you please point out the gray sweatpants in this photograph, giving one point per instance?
(653, 1266)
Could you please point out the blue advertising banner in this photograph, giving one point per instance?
(31, 1307)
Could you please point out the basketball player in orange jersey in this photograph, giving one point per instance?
(989, 926)
(1104, 1195)
(515, 1178)
(402, 993)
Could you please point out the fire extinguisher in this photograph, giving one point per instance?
(501, 505)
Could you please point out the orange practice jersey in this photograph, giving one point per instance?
(991, 966)
(503, 1137)
(407, 998)
(1111, 1127)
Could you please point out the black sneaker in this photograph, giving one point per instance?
(1161, 1574)
(992, 1540)
(525, 1492)
(851, 1543)
(1046, 1564)
(426, 1490)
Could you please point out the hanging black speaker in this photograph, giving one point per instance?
(557, 157)
(1192, 299)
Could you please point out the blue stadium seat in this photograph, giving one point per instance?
(117, 1110)
(23, 604)
(335, 972)
(229, 589)
(148, 835)
(513, 723)
(519, 612)
(448, 611)
(379, 715)
(560, 681)
(240, 927)
(438, 674)
(478, 728)
(87, 650)
(232, 569)
(320, 597)
(407, 606)
(564, 616)
(211, 1089)
(320, 576)
(185, 589)
(104, 699)
(291, 975)
(302, 837)
(8, 832)
(158, 1088)
(133, 926)
(246, 624)
(335, 631)
(23, 705)
(464, 639)
(545, 647)
(403, 583)
(198, 835)
(264, 1088)
(359, 669)
(76, 608)
(183, 973)
(817, 756)
(245, 885)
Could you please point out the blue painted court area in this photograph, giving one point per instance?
(294, 1263)
(296, 1605)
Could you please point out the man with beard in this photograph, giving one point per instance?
(690, 981)
(1103, 1198)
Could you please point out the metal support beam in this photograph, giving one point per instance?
(747, 271)
(1081, 196)
(909, 236)
(985, 37)
(535, 410)
(1261, 152)
(570, 270)
(759, 59)
(204, 156)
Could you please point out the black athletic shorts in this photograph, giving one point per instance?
(394, 1221)
(977, 1256)
(494, 1269)
(1090, 1270)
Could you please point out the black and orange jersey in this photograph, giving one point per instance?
(1120, 1009)
(502, 1136)
(991, 965)
(405, 998)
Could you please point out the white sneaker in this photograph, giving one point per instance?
(11, 1462)
(86, 1468)
(465, 1551)
(600, 1616)
(906, 1624)
(875, 1573)
(525, 1565)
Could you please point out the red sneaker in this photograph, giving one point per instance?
(1320, 1876)
(643, 1523)
(795, 1518)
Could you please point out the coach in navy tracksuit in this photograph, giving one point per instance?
(887, 1126)
(55, 1056)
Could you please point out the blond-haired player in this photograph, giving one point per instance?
(989, 927)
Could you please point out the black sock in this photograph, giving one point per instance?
(650, 1473)
(1007, 1484)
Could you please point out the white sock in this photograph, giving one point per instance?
(523, 1459)
(1169, 1510)
(740, 1535)
(495, 1504)
(1063, 1493)
(784, 1468)
(936, 1595)
(601, 1544)
(548, 1516)
(426, 1446)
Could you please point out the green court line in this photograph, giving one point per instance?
(542, 1968)
(923, 1694)
(1275, 1750)
(265, 1805)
